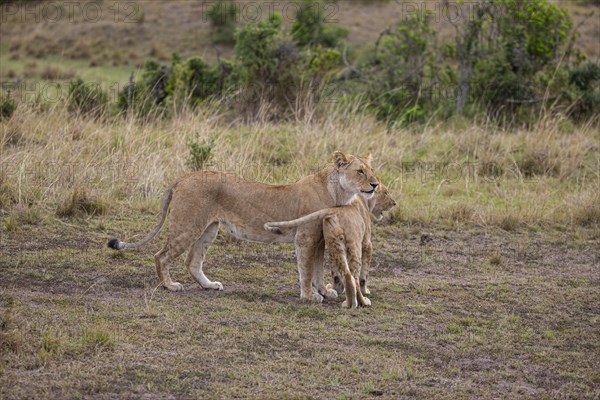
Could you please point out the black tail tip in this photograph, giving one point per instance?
(113, 244)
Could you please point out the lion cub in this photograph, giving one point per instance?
(347, 232)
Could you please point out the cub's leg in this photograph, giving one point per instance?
(338, 280)
(339, 264)
(305, 254)
(351, 287)
(318, 272)
(355, 259)
(319, 269)
(173, 249)
(195, 257)
(367, 253)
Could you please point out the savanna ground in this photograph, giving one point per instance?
(477, 313)
(485, 280)
(485, 277)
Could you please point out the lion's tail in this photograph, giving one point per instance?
(276, 227)
(116, 244)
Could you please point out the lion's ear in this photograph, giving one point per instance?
(367, 159)
(340, 159)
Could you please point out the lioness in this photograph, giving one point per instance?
(347, 231)
(201, 201)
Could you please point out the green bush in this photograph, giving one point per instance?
(87, 98)
(322, 63)
(310, 28)
(7, 106)
(140, 104)
(517, 55)
(255, 50)
(149, 94)
(267, 65)
(194, 80)
(585, 80)
(223, 16)
(155, 78)
(510, 59)
(401, 71)
(200, 154)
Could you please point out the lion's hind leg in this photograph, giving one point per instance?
(195, 258)
(163, 258)
(367, 254)
(355, 256)
(337, 256)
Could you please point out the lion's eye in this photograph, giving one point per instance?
(361, 171)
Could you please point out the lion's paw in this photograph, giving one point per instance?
(174, 287)
(331, 293)
(366, 290)
(366, 302)
(314, 298)
(213, 285)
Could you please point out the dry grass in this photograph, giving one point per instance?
(450, 175)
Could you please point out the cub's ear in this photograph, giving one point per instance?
(367, 159)
(340, 159)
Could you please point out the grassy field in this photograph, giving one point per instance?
(485, 277)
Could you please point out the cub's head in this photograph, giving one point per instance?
(382, 201)
(355, 174)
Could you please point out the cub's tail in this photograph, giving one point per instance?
(275, 227)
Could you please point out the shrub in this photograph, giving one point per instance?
(255, 49)
(585, 80)
(7, 106)
(149, 94)
(400, 71)
(155, 78)
(310, 27)
(87, 98)
(516, 54)
(194, 80)
(200, 154)
(268, 66)
(223, 16)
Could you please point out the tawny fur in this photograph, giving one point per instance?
(347, 232)
(200, 201)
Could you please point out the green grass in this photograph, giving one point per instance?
(104, 73)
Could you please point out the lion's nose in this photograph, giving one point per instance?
(374, 185)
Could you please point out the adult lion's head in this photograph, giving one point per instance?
(355, 174)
